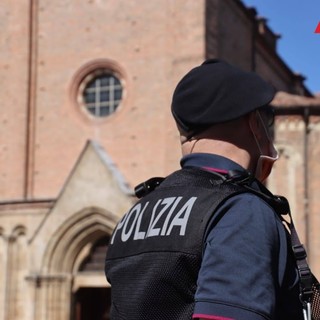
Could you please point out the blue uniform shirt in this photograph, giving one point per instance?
(245, 273)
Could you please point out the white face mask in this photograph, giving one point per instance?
(265, 162)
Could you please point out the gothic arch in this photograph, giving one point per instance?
(89, 224)
(62, 255)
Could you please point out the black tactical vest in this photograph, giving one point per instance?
(155, 252)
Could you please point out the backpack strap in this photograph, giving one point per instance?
(307, 279)
(305, 274)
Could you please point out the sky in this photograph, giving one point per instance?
(299, 45)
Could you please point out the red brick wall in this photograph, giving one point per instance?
(314, 188)
(14, 96)
(287, 178)
(153, 42)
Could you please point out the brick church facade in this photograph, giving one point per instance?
(86, 90)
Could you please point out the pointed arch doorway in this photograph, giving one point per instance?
(74, 260)
(91, 298)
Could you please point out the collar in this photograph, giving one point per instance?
(210, 162)
(223, 166)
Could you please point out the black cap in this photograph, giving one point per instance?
(217, 92)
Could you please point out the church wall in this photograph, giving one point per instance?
(235, 35)
(272, 71)
(313, 179)
(287, 178)
(14, 42)
(18, 223)
(151, 44)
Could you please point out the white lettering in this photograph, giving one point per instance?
(140, 234)
(126, 235)
(118, 227)
(155, 231)
(131, 222)
(182, 217)
(153, 215)
(165, 225)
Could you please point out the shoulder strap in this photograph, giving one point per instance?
(307, 279)
(300, 254)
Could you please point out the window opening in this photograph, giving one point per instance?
(102, 95)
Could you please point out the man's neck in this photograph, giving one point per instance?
(218, 147)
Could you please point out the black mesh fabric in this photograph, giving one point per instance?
(315, 304)
(158, 285)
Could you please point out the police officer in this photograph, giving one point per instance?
(207, 242)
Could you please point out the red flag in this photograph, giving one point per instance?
(317, 28)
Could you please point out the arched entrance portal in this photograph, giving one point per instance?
(91, 297)
(73, 268)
